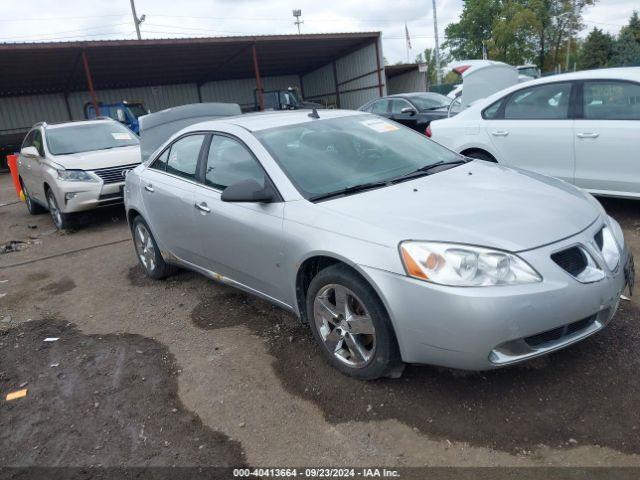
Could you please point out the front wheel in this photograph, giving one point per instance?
(33, 207)
(61, 220)
(148, 252)
(351, 325)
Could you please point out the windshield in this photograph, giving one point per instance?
(429, 101)
(326, 156)
(88, 137)
(136, 109)
(529, 71)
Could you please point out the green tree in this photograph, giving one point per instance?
(429, 57)
(596, 51)
(516, 31)
(464, 39)
(627, 46)
(626, 50)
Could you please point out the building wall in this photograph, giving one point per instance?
(357, 80)
(18, 114)
(413, 81)
(242, 91)
(154, 98)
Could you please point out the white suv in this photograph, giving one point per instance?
(581, 127)
(75, 166)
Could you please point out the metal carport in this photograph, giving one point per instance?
(51, 81)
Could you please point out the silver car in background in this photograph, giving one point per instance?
(392, 248)
(75, 166)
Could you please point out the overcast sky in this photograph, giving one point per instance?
(62, 20)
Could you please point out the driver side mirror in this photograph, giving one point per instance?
(249, 191)
(31, 152)
(408, 111)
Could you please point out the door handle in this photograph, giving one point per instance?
(588, 135)
(149, 188)
(500, 133)
(202, 206)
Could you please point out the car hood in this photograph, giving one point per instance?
(478, 203)
(93, 160)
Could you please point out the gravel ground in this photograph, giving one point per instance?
(247, 382)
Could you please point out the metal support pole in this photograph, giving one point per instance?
(92, 92)
(379, 67)
(256, 69)
(335, 81)
(435, 32)
(136, 21)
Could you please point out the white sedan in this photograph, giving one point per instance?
(581, 127)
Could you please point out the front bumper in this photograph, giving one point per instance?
(481, 328)
(80, 196)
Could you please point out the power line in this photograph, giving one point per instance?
(48, 19)
(66, 31)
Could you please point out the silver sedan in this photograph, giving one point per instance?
(390, 247)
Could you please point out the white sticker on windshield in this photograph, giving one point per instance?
(379, 126)
(121, 136)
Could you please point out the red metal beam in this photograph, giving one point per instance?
(87, 72)
(256, 69)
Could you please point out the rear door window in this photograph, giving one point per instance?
(611, 100)
(543, 102)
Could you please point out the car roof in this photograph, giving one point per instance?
(618, 73)
(265, 120)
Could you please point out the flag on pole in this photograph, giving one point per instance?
(406, 29)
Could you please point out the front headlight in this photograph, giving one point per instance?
(76, 176)
(464, 265)
(610, 251)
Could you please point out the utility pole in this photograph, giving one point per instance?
(570, 32)
(298, 22)
(136, 21)
(435, 31)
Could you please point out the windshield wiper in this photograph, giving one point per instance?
(436, 108)
(349, 190)
(426, 170)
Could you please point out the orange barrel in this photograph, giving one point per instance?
(12, 161)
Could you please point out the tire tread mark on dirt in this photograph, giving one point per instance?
(588, 393)
(111, 400)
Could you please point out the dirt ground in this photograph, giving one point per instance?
(187, 372)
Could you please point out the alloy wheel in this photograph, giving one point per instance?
(345, 325)
(56, 215)
(145, 247)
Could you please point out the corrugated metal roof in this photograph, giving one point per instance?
(27, 68)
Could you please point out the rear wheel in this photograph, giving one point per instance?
(33, 207)
(351, 325)
(148, 252)
(61, 220)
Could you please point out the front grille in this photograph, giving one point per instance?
(113, 174)
(573, 260)
(560, 332)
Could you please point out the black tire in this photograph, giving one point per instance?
(150, 259)
(33, 207)
(385, 357)
(480, 155)
(61, 220)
